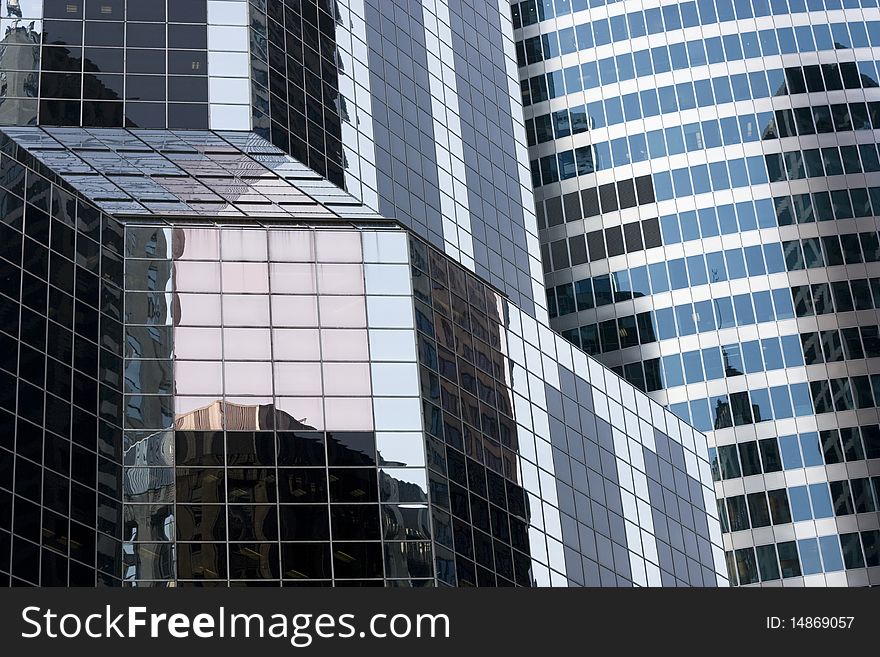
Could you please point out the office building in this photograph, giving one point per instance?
(708, 185)
(273, 314)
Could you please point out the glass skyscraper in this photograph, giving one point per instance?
(708, 185)
(272, 313)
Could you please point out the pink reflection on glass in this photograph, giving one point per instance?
(346, 378)
(244, 244)
(248, 378)
(343, 312)
(340, 279)
(291, 246)
(307, 410)
(196, 244)
(246, 277)
(297, 378)
(294, 311)
(197, 276)
(348, 414)
(296, 344)
(245, 310)
(292, 278)
(247, 344)
(198, 343)
(344, 344)
(338, 246)
(198, 377)
(197, 310)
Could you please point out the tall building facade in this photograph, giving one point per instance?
(708, 185)
(273, 314)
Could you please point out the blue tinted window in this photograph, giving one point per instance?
(774, 258)
(711, 129)
(781, 402)
(696, 52)
(761, 408)
(800, 503)
(607, 70)
(754, 260)
(732, 47)
(567, 41)
(590, 75)
(718, 172)
(766, 213)
(669, 228)
(708, 222)
(660, 57)
(810, 563)
(678, 55)
(756, 169)
(584, 36)
(700, 417)
(738, 176)
(800, 396)
(772, 352)
(614, 110)
(644, 65)
(745, 313)
(596, 114)
(678, 277)
(638, 147)
(763, 307)
(631, 109)
(650, 104)
(714, 50)
(639, 281)
(830, 547)
(717, 268)
(618, 27)
(671, 17)
(686, 97)
(705, 316)
(681, 410)
(791, 453)
(636, 21)
(665, 323)
(792, 351)
(672, 372)
(656, 143)
(663, 186)
(668, 101)
(700, 177)
(690, 229)
(824, 40)
(821, 499)
(684, 315)
(804, 36)
(810, 449)
(625, 67)
(555, 84)
(736, 265)
(782, 303)
(659, 279)
(724, 312)
(787, 44)
(572, 76)
(751, 354)
(696, 266)
(681, 179)
(693, 366)
(733, 359)
(713, 364)
(601, 32)
(729, 130)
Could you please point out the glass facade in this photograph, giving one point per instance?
(291, 331)
(707, 206)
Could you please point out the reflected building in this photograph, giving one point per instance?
(272, 313)
(707, 185)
